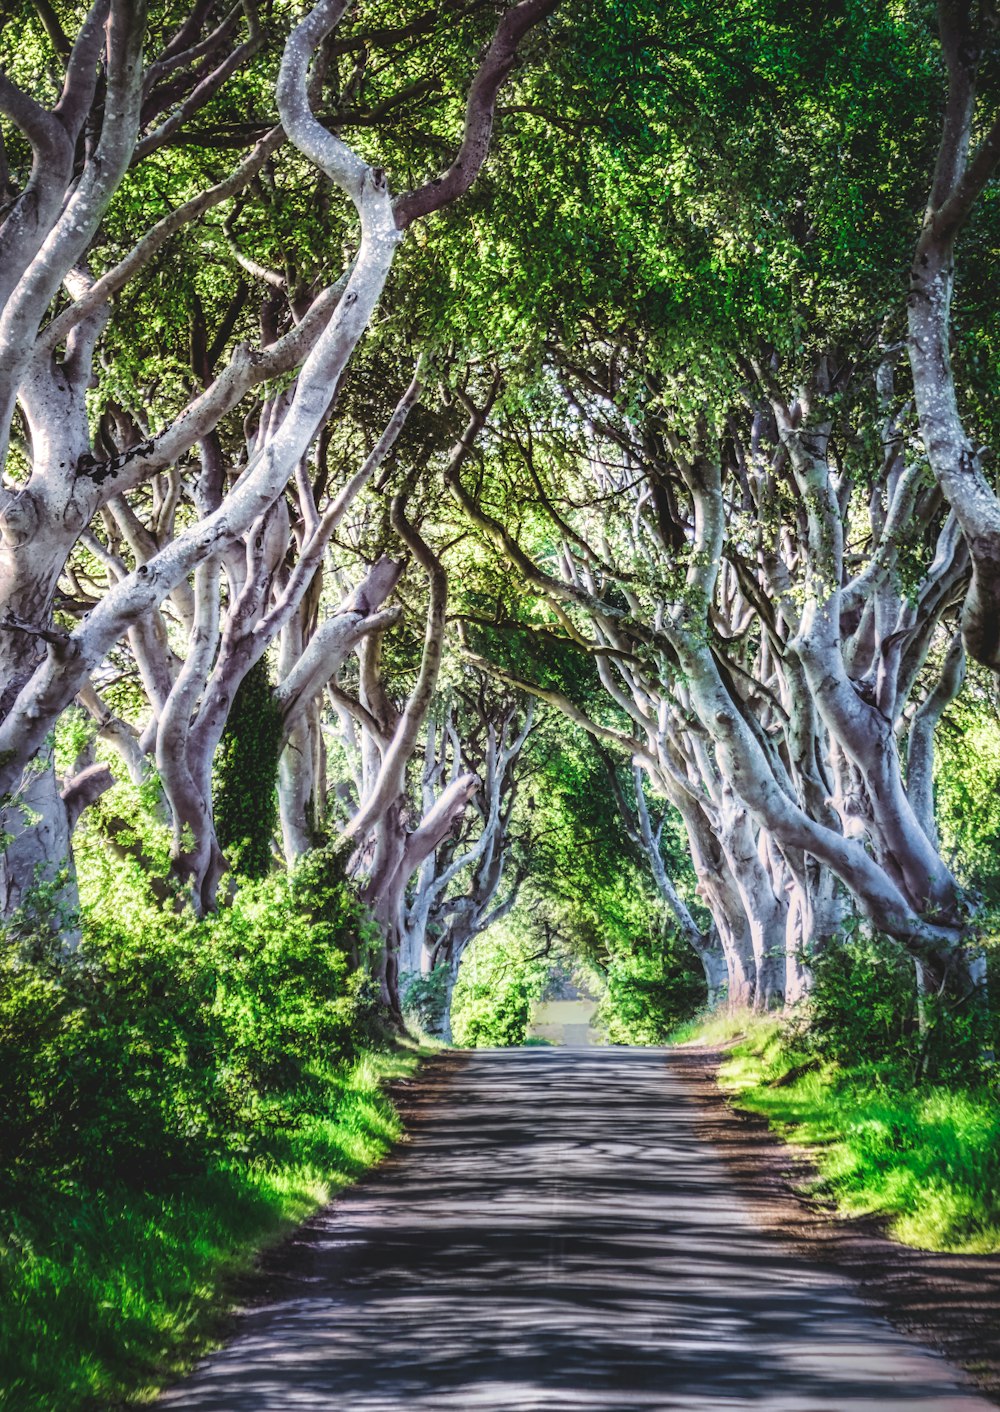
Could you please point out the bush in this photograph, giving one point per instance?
(863, 1003)
(424, 999)
(172, 1096)
(863, 1012)
(494, 1019)
(649, 990)
(499, 980)
(166, 1040)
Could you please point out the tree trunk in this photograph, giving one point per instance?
(713, 963)
(297, 788)
(36, 866)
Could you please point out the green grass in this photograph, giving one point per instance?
(106, 1295)
(927, 1159)
(721, 1027)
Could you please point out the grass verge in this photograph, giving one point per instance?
(927, 1159)
(106, 1295)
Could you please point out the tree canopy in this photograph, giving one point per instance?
(544, 454)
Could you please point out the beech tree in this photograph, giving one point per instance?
(471, 882)
(116, 110)
(724, 475)
(646, 834)
(731, 517)
(967, 159)
(752, 700)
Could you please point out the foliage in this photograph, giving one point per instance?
(73, 734)
(863, 1003)
(166, 1041)
(967, 779)
(864, 1011)
(712, 176)
(500, 978)
(586, 896)
(424, 999)
(649, 989)
(246, 773)
(171, 1095)
(927, 1159)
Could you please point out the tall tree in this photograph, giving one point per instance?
(117, 112)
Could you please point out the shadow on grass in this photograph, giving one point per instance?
(106, 1294)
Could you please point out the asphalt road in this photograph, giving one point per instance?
(554, 1235)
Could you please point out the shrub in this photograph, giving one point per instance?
(864, 1011)
(863, 1003)
(494, 1018)
(166, 1040)
(171, 1096)
(500, 978)
(424, 999)
(649, 990)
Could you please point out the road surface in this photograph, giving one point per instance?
(554, 1235)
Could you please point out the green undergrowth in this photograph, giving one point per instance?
(925, 1157)
(106, 1294)
(718, 1027)
(175, 1094)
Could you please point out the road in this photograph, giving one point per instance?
(554, 1235)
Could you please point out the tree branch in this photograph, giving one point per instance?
(479, 113)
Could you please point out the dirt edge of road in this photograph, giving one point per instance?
(949, 1302)
(279, 1268)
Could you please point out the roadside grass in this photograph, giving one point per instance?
(926, 1159)
(106, 1295)
(719, 1027)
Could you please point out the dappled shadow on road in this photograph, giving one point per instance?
(555, 1235)
(952, 1301)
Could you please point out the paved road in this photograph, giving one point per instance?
(555, 1236)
